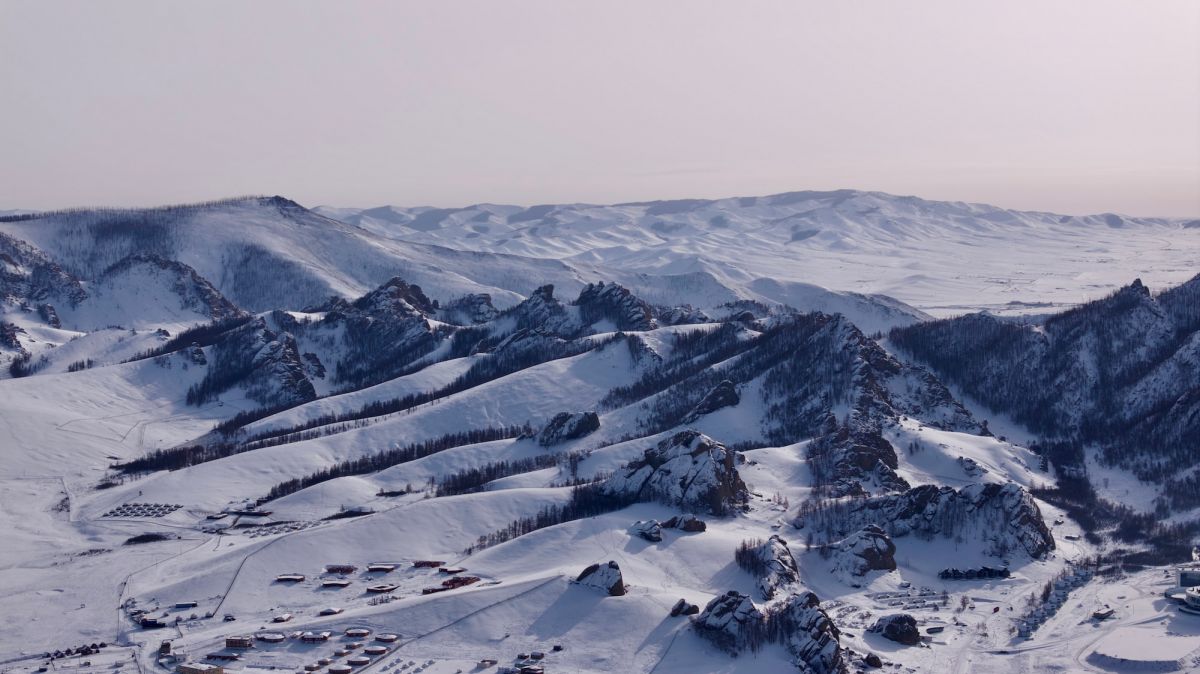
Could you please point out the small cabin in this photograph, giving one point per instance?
(381, 567)
(427, 564)
(289, 578)
(315, 637)
(340, 568)
(239, 642)
(335, 582)
(382, 589)
(282, 618)
(452, 569)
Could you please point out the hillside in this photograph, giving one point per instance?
(622, 466)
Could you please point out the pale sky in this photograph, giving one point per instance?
(1078, 107)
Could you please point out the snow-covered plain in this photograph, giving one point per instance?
(70, 575)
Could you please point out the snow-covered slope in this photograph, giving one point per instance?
(942, 257)
(664, 393)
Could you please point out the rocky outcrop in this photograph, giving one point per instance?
(723, 395)
(543, 312)
(681, 315)
(195, 292)
(809, 634)
(469, 310)
(733, 623)
(770, 561)
(395, 297)
(1000, 519)
(863, 551)
(568, 426)
(688, 523)
(606, 577)
(730, 621)
(689, 470)
(49, 314)
(616, 304)
(850, 462)
(899, 627)
(28, 275)
(649, 530)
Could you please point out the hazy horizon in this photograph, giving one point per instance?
(1061, 106)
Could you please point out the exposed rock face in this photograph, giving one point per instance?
(724, 395)
(50, 315)
(1004, 517)
(606, 577)
(809, 634)
(682, 315)
(469, 309)
(772, 562)
(851, 462)
(899, 627)
(868, 549)
(8, 336)
(688, 523)
(395, 297)
(194, 291)
(542, 311)
(568, 426)
(731, 621)
(279, 374)
(614, 302)
(650, 530)
(689, 470)
(28, 275)
(266, 363)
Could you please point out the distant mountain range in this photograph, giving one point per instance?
(941, 257)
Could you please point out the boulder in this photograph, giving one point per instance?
(729, 621)
(899, 627)
(605, 577)
(650, 530)
(872, 660)
(683, 607)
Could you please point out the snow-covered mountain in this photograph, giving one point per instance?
(1121, 374)
(942, 257)
(617, 457)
